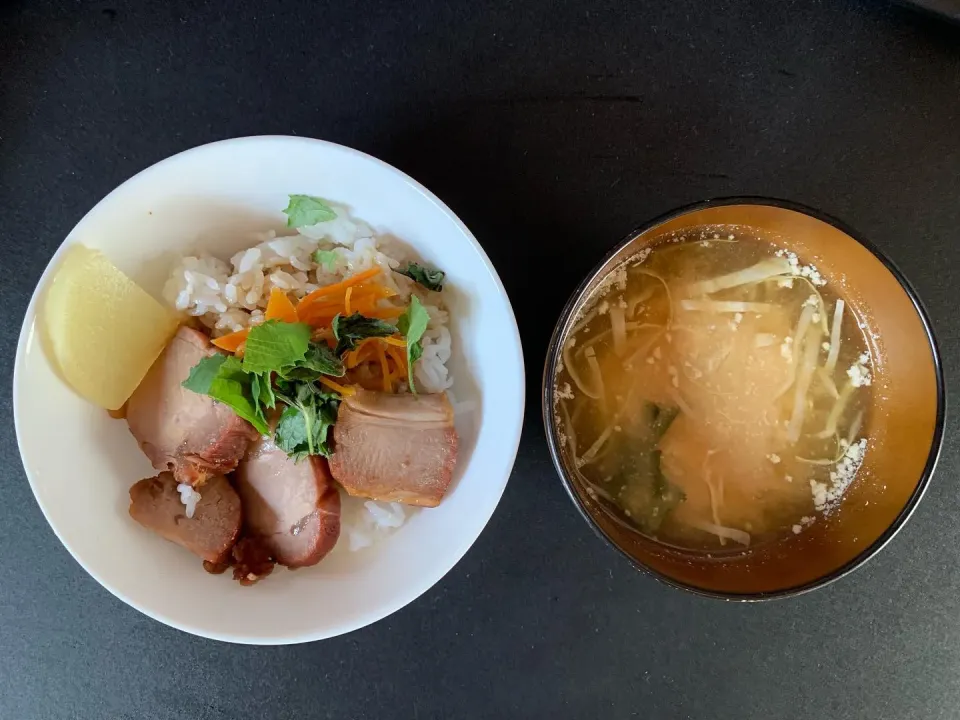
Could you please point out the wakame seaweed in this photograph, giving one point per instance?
(646, 495)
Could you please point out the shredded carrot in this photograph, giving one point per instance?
(366, 380)
(327, 304)
(361, 302)
(233, 341)
(346, 298)
(344, 390)
(376, 289)
(387, 383)
(364, 305)
(317, 322)
(280, 308)
(319, 315)
(400, 371)
(398, 357)
(370, 349)
(386, 313)
(359, 354)
(328, 290)
(357, 292)
(353, 296)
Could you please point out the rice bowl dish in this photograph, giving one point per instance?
(207, 204)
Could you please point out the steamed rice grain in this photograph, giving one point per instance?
(364, 522)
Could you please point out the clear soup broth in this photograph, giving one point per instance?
(713, 392)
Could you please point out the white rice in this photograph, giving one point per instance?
(365, 522)
(230, 296)
(189, 497)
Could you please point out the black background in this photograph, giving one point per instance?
(551, 129)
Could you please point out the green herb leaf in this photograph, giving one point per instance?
(283, 366)
(232, 387)
(430, 279)
(291, 434)
(352, 329)
(267, 396)
(415, 352)
(304, 426)
(320, 358)
(229, 385)
(327, 259)
(255, 388)
(318, 361)
(306, 210)
(412, 324)
(275, 345)
(285, 391)
(326, 417)
(203, 373)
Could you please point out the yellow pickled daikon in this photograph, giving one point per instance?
(102, 330)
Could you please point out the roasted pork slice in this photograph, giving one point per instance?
(395, 448)
(179, 430)
(252, 561)
(292, 507)
(211, 532)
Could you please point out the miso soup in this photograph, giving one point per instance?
(713, 391)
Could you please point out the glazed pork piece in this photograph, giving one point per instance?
(184, 432)
(252, 561)
(292, 508)
(210, 533)
(395, 448)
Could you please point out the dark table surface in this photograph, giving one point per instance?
(551, 129)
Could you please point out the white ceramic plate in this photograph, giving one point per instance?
(80, 463)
